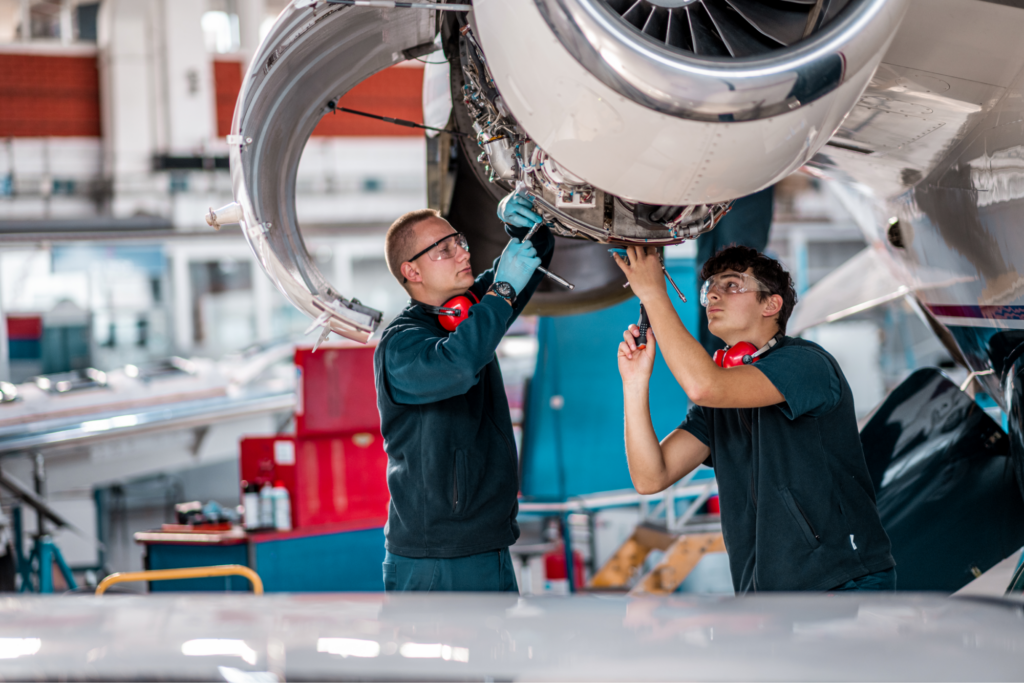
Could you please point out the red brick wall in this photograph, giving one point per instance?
(49, 96)
(227, 82)
(43, 95)
(395, 92)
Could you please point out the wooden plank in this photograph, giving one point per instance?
(617, 571)
(678, 562)
(655, 539)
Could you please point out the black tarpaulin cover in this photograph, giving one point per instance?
(946, 490)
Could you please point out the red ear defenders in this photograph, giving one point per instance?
(743, 353)
(452, 312)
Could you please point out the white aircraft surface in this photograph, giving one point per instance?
(475, 637)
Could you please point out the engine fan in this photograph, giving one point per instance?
(735, 28)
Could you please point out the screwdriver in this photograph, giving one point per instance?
(644, 324)
(565, 283)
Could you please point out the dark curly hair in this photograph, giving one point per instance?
(766, 269)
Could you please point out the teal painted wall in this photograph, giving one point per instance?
(579, 448)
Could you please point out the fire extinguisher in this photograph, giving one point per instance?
(556, 576)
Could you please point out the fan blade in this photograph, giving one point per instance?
(741, 39)
(621, 6)
(702, 32)
(656, 23)
(831, 9)
(637, 14)
(775, 21)
(678, 32)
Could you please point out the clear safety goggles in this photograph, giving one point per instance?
(730, 283)
(444, 248)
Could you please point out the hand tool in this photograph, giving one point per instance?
(622, 254)
(644, 324)
(565, 283)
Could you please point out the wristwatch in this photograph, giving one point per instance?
(505, 291)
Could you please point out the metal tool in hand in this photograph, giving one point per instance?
(643, 325)
(565, 283)
(661, 260)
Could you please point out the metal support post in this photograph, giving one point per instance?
(24, 563)
(567, 545)
(44, 553)
(65, 570)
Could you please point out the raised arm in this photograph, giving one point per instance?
(423, 367)
(653, 466)
(705, 383)
(517, 215)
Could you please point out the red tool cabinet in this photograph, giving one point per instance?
(334, 466)
(329, 479)
(335, 391)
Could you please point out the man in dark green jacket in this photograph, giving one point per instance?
(452, 461)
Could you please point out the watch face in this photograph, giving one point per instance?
(504, 289)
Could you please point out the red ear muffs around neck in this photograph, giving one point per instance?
(740, 354)
(462, 304)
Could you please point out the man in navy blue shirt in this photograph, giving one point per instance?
(776, 420)
(452, 462)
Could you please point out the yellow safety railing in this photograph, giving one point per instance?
(184, 573)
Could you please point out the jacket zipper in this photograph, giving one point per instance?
(806, 520)
(455, 483)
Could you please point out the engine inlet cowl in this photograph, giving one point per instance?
(683, 102)
(723, 60)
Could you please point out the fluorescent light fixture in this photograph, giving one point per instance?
(205, 647)
(12, 648)
(120, 421)
(348, 647)
(434, 651)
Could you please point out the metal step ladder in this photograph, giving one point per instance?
(684, 540)
(682, 553)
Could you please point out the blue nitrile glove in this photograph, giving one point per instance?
(517, 264)
(621, 253)
(517, 210)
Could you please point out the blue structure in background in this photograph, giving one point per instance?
(574, 444)
(313, 560)
(347, 561)
(176, 556)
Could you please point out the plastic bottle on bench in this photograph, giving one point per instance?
(282, 507)
(266, 506)
(251, 505)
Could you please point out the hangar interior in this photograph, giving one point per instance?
(158, 388)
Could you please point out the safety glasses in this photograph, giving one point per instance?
(730, 283)
(444, 248)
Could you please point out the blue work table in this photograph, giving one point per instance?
(333, 557)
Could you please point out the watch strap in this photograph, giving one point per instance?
(505, 290)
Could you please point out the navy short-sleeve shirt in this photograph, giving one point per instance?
(805, 378)
(797, 503)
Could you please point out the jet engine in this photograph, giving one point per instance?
(626, 121)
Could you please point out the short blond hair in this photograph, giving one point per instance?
(398, 243)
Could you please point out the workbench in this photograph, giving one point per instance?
(325, 558)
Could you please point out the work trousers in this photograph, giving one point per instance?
(485, 572)
(879, 581)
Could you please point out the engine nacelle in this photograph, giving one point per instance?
(682, 102)
(628, 121)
